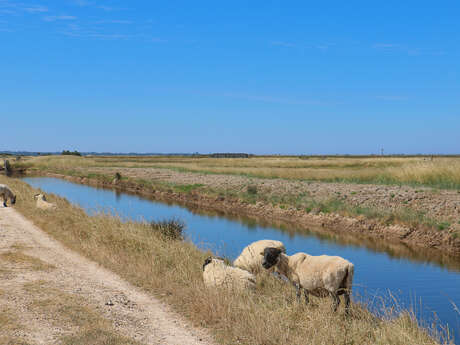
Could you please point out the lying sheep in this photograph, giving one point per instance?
(217, 274)
(250, 258)
(6, 193)
(317, 275)
(43, 204)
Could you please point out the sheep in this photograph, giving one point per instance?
(250, 259)
(316, 275)
(217, 274)
(6, 193)
(43, 204)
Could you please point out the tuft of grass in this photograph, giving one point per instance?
(96, 336)
(252, 189)
(25, 261)
(187, 188)
(169, 229)
(443, 225)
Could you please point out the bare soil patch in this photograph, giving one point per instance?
(439, 204)
(50, 295)
(443, 205)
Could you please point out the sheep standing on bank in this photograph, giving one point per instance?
(6, 193)
(43, 204)
(217, 274)
(250, 258)
(317, 275)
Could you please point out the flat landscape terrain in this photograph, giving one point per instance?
(51, 295)
(410, 199)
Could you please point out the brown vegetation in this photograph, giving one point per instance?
(171, 269)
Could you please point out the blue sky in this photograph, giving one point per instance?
(287, 77)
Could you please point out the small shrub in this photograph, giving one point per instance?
(353, 193)
(118, 176)
(308, 209)
(252, 189)
(170, 229)
(392, 195)
(69, 153)
(443, 225)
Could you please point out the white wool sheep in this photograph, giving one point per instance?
(217, 274)
(6, 193)
(250, 258)
(43, 204)
(317, 275)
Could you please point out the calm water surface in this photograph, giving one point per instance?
(426, 286)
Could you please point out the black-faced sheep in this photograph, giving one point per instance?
(317, 275)
(42, 204)
(6, 193)
(217, 274)
(250, 258)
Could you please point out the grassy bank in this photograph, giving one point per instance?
(438, 172)
(171, 269)
(298, 200)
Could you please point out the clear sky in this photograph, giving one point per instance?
(287, 77)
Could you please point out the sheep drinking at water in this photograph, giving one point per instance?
(317, 275)
(217, 274)
(43, 204)
(250, 258)
(6, 193)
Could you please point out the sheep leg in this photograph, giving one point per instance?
(346, 297)
(297, 291)
(336, 301)
(307, 299)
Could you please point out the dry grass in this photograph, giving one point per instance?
(25, 261)
(83, 324)
(9, 324)
(442, 172)
(171, 270)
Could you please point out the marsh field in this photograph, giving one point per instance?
(432, 171)
(417, 197)
(170, 269)
(411, 192)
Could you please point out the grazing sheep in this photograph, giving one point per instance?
(250, 258)
(43, 204)
(217, 274)
(317, 275)
(6, 193)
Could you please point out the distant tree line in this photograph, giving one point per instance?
(230, 155)
(70, 153)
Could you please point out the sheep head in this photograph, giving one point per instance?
(13, 200)
(207, 261)
(271, 257)
(39, 196)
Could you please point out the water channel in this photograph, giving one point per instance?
(431, 287)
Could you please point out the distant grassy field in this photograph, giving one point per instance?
(439, 172)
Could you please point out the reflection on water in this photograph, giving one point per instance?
(412, 275)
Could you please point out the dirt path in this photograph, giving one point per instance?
(49, 294)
